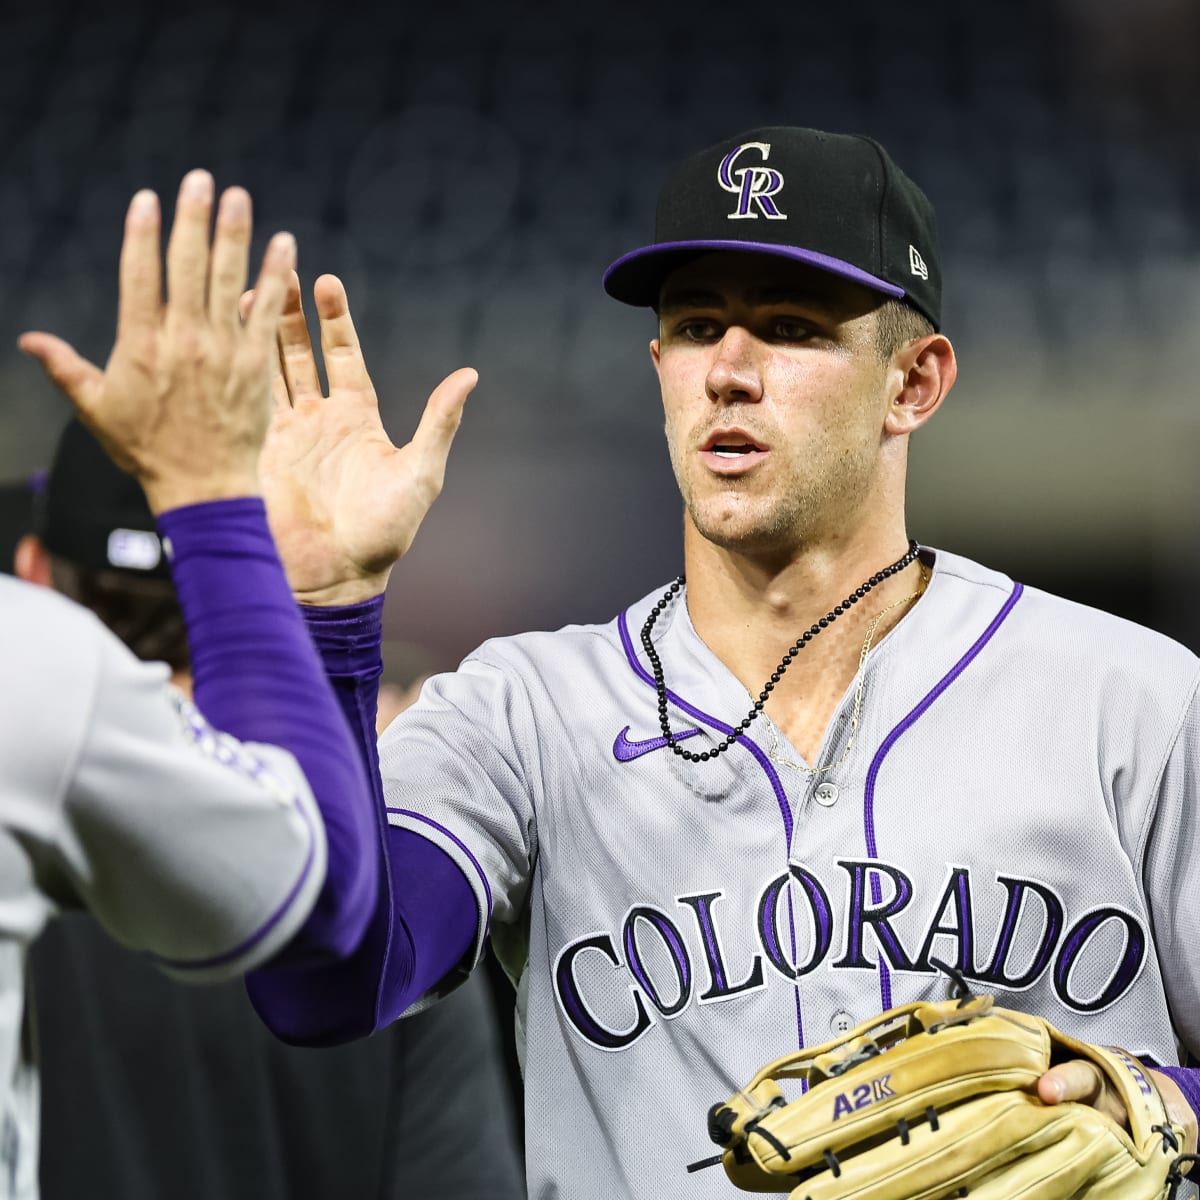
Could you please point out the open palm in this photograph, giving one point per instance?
(345, 503)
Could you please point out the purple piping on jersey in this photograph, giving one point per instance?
(826, 262)
(719, 726)
(763, 761)
(179, 964)
(885, 979)
(487, 891)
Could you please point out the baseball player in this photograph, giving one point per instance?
(206, 853)
(210, 1104)
(756, 807)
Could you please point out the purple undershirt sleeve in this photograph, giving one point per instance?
(257, 676)
(1188, 1079)
(425, 919)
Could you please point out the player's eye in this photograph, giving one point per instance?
(698, 329)
(790, 329)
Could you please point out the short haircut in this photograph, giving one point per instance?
(897, 324)
(143, 613)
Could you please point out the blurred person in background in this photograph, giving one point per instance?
(150, 1090)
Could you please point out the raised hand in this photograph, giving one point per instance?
(345, 503)
(184, 400)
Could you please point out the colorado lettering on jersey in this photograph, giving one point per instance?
(658, 962)
(863, 1096)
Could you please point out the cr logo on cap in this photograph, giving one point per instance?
(754, 185)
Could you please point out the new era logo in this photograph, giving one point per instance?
(916, 263)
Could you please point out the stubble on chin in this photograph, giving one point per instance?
(756, 516)
(738, 515)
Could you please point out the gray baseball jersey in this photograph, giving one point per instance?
(1019, 801)
(115, 795)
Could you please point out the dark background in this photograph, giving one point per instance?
(471, 169)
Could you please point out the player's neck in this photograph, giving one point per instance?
(735, 594)
(748, 612)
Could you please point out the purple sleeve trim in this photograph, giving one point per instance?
(257, 677)
(425, 931)
(487, 887)
(1188, 1079)
(435, 917)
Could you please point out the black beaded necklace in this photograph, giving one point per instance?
(660, 683)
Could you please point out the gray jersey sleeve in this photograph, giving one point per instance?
(461, 767)
(1171, 880)
(202, 852)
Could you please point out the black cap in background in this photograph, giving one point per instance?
(95, 515)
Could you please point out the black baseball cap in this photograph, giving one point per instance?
(835, 201)
(93, 514)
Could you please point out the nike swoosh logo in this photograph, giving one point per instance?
(625, 750)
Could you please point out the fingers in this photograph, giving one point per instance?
(187, 249)
(230, 260)
(279, 390)
(262, 318)
(297, 361)
(440, 421)
(339, 341)
(140, 273)
(80, 379)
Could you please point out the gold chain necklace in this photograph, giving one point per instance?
(859, 688)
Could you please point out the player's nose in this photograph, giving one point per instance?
(734, 376)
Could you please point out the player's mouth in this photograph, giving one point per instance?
(730, 451)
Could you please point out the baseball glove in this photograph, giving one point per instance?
(932, 1100)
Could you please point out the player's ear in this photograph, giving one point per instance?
(924, 372)
(654, 351)
(31, 561)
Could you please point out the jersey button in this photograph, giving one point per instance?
(842, 1022)
(826, 794)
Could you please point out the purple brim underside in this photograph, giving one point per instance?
(824, 262)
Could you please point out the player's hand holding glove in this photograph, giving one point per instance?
(940, 1099)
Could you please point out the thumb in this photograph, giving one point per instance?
(441, 419)
(69, 370)
(1072, 1080)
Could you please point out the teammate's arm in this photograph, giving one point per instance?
(183, 404)
(345, 504)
